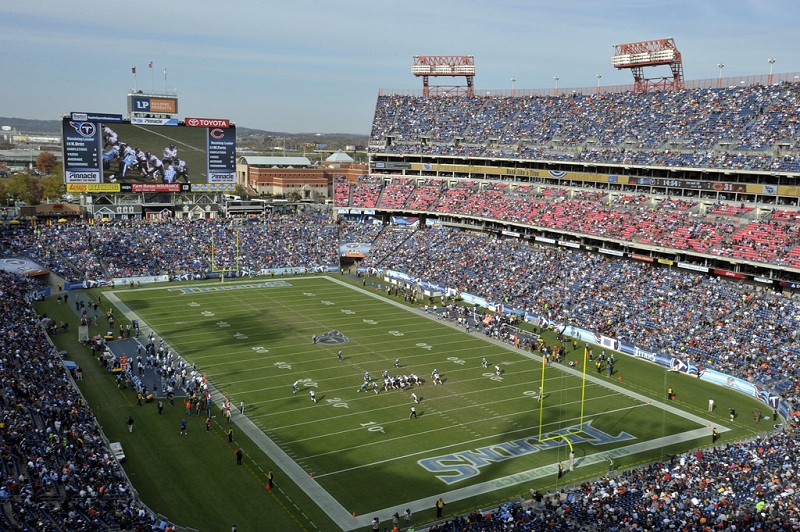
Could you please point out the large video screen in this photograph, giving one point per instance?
(104, 153)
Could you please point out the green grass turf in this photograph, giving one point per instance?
(362, 448)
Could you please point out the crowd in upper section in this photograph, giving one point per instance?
(723, 229)
(748, 127)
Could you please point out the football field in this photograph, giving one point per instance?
(477, 438)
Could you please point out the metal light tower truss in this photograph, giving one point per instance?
(445, 65)
(637, 55)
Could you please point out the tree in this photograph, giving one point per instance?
(53, 186)
(45, 162)
(24, 187)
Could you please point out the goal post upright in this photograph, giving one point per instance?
(223, 271)
(542, 398)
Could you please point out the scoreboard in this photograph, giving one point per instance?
(106, 153)
(684, 183)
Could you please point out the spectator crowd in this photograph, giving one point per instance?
(747, 127)
(57, 472)
(57, 468)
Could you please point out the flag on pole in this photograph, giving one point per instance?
(133, 70)
(150, 65)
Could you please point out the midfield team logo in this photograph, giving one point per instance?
(332, 338)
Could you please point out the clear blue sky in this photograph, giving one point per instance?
(317, 66)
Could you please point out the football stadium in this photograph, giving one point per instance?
(539, 310)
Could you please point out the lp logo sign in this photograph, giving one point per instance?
(142, 105)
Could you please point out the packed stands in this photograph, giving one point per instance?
(752, 127)
(57, 472)
(738, 329)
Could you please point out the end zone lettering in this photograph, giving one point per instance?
(459, 466)
(208, 122)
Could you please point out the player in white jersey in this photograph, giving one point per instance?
(154, 165)
(110, 136)
(141, 161)
(128, 160)
(170, 154)
(181, 171)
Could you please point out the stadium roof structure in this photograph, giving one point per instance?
(339, 156)
(268, 161)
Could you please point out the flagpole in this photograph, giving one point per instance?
(165, 80)
(135, 83)
(152, 78)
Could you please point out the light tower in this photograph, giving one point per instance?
(445, 65)
(556, 78)
(771, 62)
(720, 66)
(635, 56)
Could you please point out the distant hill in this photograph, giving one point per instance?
(247, 137)
(25, 125)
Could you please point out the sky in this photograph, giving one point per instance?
(315, 66)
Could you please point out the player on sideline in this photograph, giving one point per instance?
(295, 385)
(313, 396)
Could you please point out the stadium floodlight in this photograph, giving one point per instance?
(720, 66)
(513, 83)
(556, 78)
(771, 62)
(598, 76)
(635, 56)
(425, 66)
